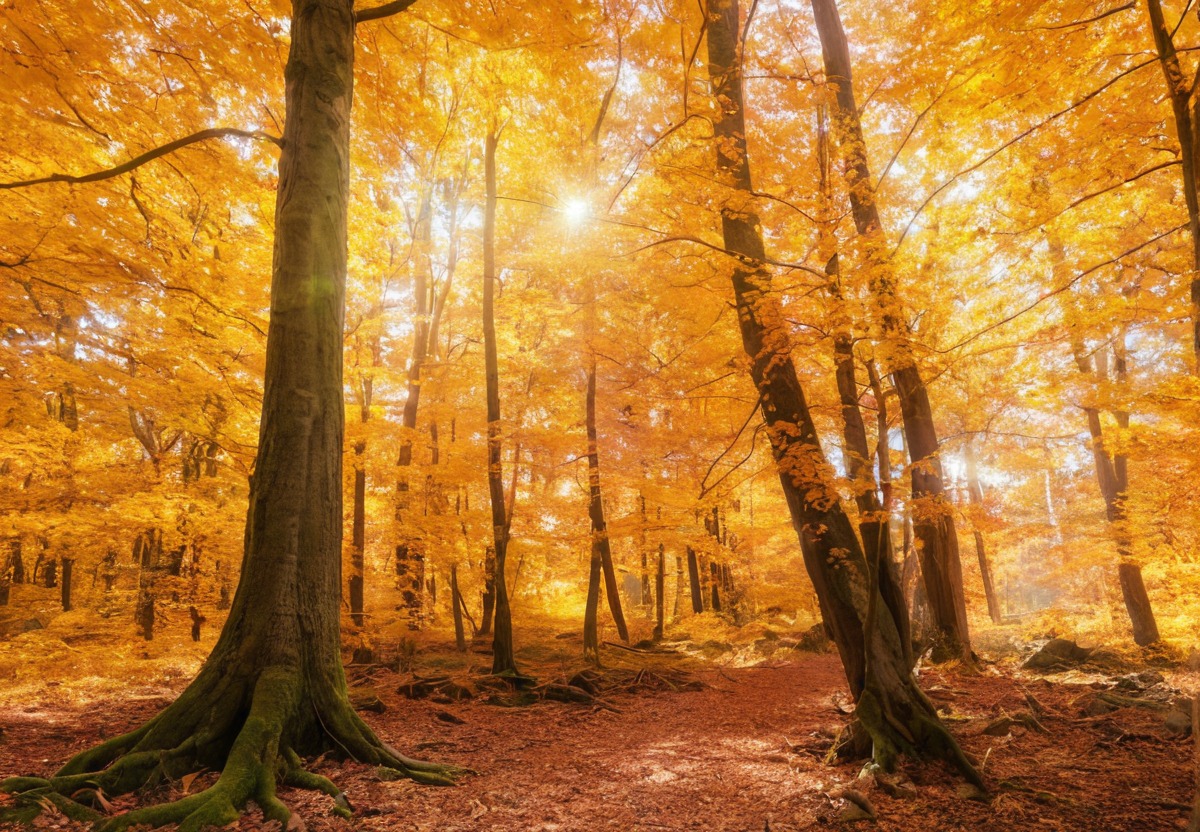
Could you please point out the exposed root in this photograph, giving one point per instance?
(260, 757)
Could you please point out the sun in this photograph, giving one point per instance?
(576, 211)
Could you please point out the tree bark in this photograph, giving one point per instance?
(273, 688)
(891, 708)
(660, 582)
(456, 601)
(503, 660)
(933, 522)
(488, 598)
(1180, 91)
(67, 571)
(694, 577)
(600, 542)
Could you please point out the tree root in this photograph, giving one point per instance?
(259, 758)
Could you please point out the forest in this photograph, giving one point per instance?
(671, 414)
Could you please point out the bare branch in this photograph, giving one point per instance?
(148, 156)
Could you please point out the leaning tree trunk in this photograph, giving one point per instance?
(1180, 90)
(273, 688)
(933, 521)
(502, 640)
(891, 708)
(874, 517)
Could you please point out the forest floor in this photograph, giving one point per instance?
(745, 751)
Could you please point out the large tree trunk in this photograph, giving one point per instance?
(933, 521)
(1180, 91)
(892, 709)
(502, 640)
(273, 688)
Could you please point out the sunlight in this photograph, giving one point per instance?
(576, 211)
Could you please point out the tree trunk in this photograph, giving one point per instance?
(600, 543)
(975, 495)
(273, 688)
(502, 640)
(660, 582)
(488, 598)
(891, 708)
(18, 563)
(456, 601)
(694, 577)
(67, 570)
(1180, 91)
(1112, 475)
(933, 522)
(678, 587)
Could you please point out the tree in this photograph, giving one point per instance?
(503, 660)
(899, 718)
(273, 689)
(933, 522)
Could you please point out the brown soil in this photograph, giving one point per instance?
(743, 754)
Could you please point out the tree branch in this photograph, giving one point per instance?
(386, 10)
(148, 156)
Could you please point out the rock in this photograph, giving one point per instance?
(770, 635)
(1178, 723)
(1098, 707)
(32, 624)
(1057, 654)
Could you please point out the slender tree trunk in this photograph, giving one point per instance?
(933, 521)
(678, 587)
(503, 660)
(892, 709)
(601, 545)
(975, 494)
(715, 586)
(660, 582)
(67, 571)
(488, 599)
(1113, 477)
(456, 601)
(1180, 91)
(694, 577)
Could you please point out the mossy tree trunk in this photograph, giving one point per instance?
(895, 713)
(273, 688)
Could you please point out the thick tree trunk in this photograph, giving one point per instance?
(933, 522)
(892, 709)
(273, 688)
(975, 495)
(1180, 91)
(17, 562)
(502, 640)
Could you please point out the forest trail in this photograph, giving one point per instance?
(744, 755)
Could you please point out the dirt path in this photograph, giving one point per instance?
(743, 754)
